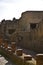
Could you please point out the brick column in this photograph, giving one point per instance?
(5, 45)
(1, 41)
(13, 46)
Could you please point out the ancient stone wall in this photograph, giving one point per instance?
(28, 30)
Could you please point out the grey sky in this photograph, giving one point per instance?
(14, 8)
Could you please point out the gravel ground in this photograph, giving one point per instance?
(3, 61)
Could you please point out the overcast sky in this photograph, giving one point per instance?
(14, 8)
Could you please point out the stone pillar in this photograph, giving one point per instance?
(19, 52)
(13, 46)
(27, 57)
(39, 59)
(5, 43)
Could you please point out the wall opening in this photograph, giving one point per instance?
(11, 31)
(32, 25)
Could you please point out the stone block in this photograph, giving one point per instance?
(27, 57)
(39, 59)
(9, 48)
(13, 45)
(9, 51)
(19, 52)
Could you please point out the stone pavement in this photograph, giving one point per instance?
(3, 61)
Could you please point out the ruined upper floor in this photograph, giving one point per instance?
(28, 21)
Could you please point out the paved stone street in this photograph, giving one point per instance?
(3, 61)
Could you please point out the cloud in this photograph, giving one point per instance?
(10, 1)
(14, 8)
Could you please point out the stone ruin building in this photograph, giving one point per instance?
(27, 31)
